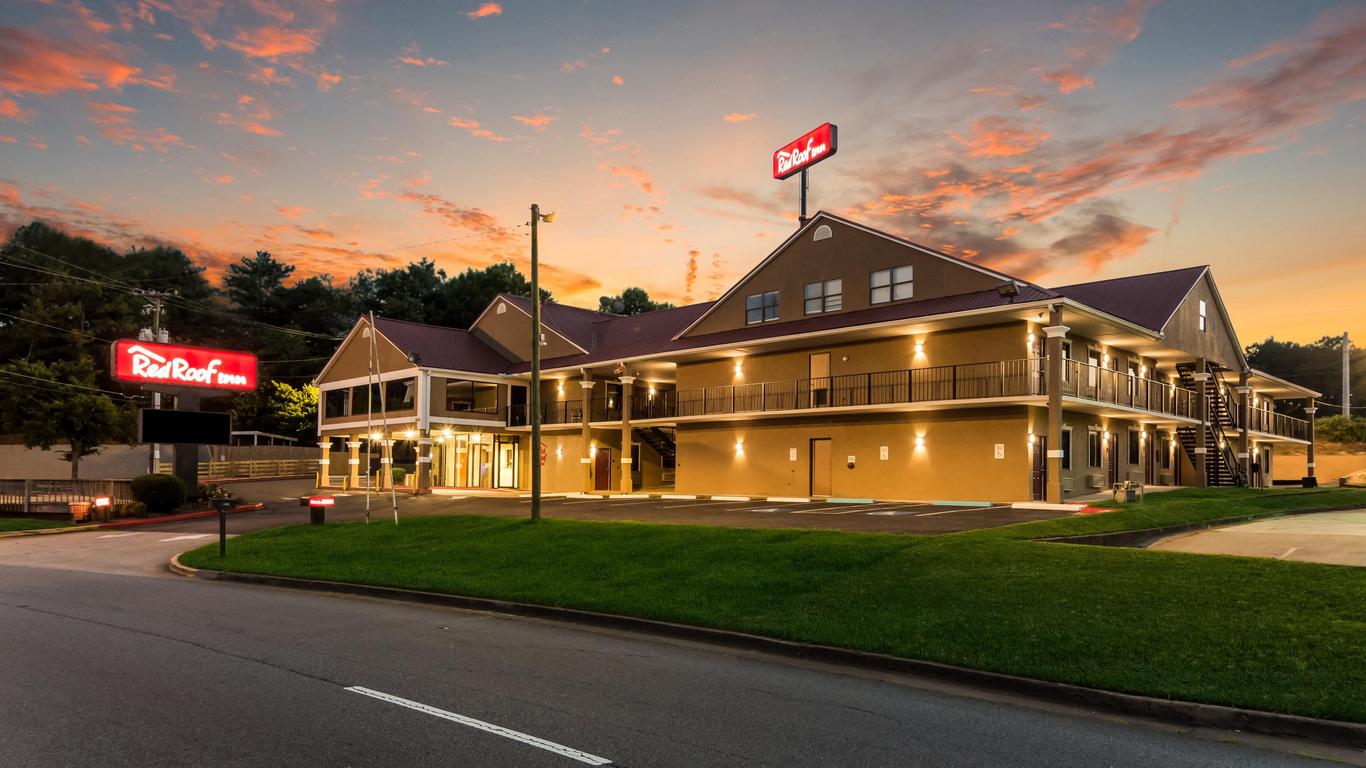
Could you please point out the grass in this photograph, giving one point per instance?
(1262, 634)
(8, 524)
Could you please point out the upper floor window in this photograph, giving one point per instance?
(398, 395)
(761, 307)
(887, 285)
(1066, 361)
(826, 296)
(471, 396)
(1093, 440)
(1204, 320)
(337, 402)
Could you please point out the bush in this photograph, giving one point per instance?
(1340, 429)
(160, 493)
(398, 474)
(130, 509)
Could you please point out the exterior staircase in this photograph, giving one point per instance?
(1222, 467)
(661, 439)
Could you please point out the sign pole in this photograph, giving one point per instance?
(801, 219)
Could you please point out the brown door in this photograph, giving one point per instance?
(1039, 478)
(1113, 459)
(602, 470)
(820, 379)
(821, 456)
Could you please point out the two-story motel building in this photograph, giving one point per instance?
(847, 363)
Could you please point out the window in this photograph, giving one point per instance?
(337, 402)
(398, 395)
(1204, 320)
(365, 399)
(471, 396)
(1093, 358)
(1093, 448)
(761, 307)
(1167, 449)
(1066, 447)
(1134, 456)
(891, 285)
(827, 296)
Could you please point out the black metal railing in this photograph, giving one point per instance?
(1106, 385)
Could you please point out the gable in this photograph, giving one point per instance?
(1218, 342)
(352, 358)
(507, 328)
(829, 248)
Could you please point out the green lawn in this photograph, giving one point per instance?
(1255, 633)
(29, 524)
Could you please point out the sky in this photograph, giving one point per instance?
(1057, 141)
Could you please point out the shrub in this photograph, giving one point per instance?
(398, 474)
(1340, 429)
(130, 509)
(160, 493)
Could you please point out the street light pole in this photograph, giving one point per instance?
(534, 396)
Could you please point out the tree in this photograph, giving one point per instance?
(50, 404)
(464, 296)
(278, 408)
(256, 285)
(1317, 366)
(407, 293)
(631, 301)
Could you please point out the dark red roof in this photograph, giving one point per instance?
(1147, 300)
(441, 347)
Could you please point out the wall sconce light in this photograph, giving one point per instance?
(1104, 357)
(919, 441)
(652, 392)
(475, 438)
(1032, 439)
(739, 446)
(919, 347)
(1105, 437)
(1143, 371)
(446, 432)
(1142, 436)
(593, 451)
(375, 436)
(559, 388)
(739, 368)
(559, 452)
(410, 434)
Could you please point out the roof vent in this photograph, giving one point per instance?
(823, 232)
(502, 307)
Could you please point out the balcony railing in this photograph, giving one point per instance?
(1273, 423)
(972, 381)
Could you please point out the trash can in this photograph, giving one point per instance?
(80, 511)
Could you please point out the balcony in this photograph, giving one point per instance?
(1005, 380)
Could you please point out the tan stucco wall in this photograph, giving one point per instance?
(974, 345)
(351, 359)
(957, 461)
(1331, 462)
(510, 334)
(1183, 330)
(851, 254)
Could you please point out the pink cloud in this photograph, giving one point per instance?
(739, 117)
(539, 122)
(290, 211)
(412, 56)
(616, 80)
(30, 63)
(10, 110)
(633, 173)
(997, 136)
(272, 42)
(1099, 32)
(326, 80)
(224, 179)
(573, 66)
(473, 128)
(485, 10)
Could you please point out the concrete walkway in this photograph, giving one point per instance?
(1338, 538)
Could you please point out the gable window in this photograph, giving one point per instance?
(1204, 318)
(887, 285)
(827, 296)
(761, 307)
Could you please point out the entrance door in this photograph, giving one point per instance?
(820, 379)
(1039, 477)
(1113, 458)
(1150, 461)
(507, 464)
(480, 465)
(821, 457)
(602, 470)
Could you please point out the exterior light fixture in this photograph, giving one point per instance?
(446, 432)
(475, 438)
(593, 451)
(739, 368)
(559, 388)
(1143, 371)
(410, 434)
(652, 392)
(919, 347)
(739, 446)
(919, 441)
(375, 436)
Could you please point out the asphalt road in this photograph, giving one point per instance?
(109, 660)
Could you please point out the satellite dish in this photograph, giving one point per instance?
(618, 306)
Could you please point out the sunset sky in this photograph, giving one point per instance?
(1058, 141)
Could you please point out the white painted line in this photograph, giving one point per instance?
(730, 498)
(497, 730)
(950, 511)
(694, 505)
(188, 536)
(678, 496)
(820, 511)
(789, 499)
(120, 535)
(1287, 553)
(621, 496)
(582, 496)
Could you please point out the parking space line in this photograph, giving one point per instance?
(120, 535)
(951, 511)
(497, 730)
(696, 504)
(188, 536)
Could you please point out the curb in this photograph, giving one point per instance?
(131, 522)
(1145, 537)
(48, 531)
(1181, 713)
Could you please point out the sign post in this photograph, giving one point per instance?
(798, 156)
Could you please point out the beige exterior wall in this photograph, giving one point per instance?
(956, 462)
(352, 359)
(510, 334)
(998, 342)
(851, 255)
(1217, 342)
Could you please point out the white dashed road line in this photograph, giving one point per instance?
(188, 536)
(950, 511)
(119, 535)
(497, 730)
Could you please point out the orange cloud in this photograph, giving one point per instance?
(1103, 236)
(272, 42)
(326, 80)
(1100, 31)
(224, 179)
(484, 11)
(290, 211)
(539, 122)
(1067, 80)
(573, 66)
(456, 215)
(30, 63)
(412, 56)
(633, 172)
(739, 117)
(10, 110)
(473, 128)
(254, 124)
(996, 136)
(616, 80)
(8, 140)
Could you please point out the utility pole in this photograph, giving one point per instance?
(1346, 375)
(156, 303)
(534, 396)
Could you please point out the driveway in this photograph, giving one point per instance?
(1337, 538)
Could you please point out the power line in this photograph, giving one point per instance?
(69, 384)
(55, 327)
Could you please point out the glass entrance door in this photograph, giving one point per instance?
(507, 463)
(480, 466)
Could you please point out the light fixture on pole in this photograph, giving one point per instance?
(534, 396)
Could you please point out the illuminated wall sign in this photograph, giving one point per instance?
(813, 147)
(145, 362)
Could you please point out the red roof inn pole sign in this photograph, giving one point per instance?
(151, 364)
(798, 156)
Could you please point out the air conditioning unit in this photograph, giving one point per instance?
(1166, 478)
(1095, 481)
(1067, 484)
(1135, 476)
